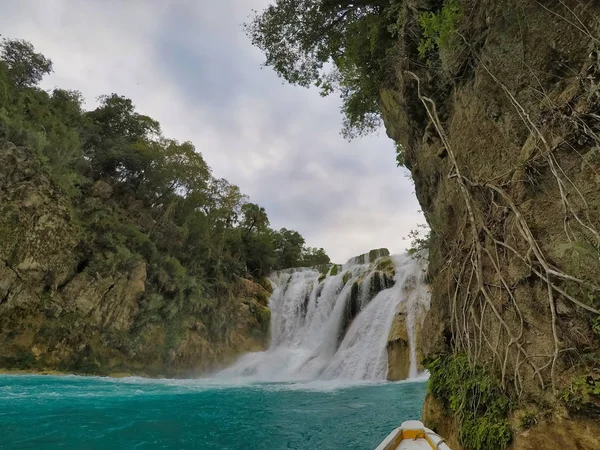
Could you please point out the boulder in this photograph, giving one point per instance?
(102, 190)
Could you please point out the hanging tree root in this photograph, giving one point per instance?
(465, 323)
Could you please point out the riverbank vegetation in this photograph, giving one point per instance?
(120, 249)
(182, 219)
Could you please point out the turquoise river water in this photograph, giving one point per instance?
(70, 412)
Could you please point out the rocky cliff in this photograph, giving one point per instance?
(496, 107)
(68, 304)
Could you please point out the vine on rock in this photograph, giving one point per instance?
(482, 294)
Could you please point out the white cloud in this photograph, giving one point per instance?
(189, 65)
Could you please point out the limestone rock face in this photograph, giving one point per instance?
(555, 432)
(399, 345)
(37, 235)
(398, 349)
(436, 416)
(559, 433)
(369, 257)
(108, 302)
(65, 306)
(501, 170)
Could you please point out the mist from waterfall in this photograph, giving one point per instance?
(337, 327)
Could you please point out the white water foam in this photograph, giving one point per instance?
(308, 318)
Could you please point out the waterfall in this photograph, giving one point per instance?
(337, 326)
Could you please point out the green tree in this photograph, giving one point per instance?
(314, 256)
(288, 248)
(177, 168)
(224, 203)
(301, 37)
(255, 218)
(25, 66)
(257, 240)
(116, 118)
(115, 128)
(260, 253)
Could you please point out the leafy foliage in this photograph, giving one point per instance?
(400, 155)
(301, 38)
(314, 257)
(528, 420)
(142, 197)
(583, 390)
(25, 66)
(419, 240)
(438, 29)
(22, 360)
(475, 397)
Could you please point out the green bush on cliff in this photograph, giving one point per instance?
(346, 47)
(400, 155)
(581, 392)
(438, 29)
(420, 239)
(22, 360)
(264, 317)
(475, 397)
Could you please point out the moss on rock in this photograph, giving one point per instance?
(386, 265)
(266, 284)
(335, 269)
(347, 275)
(378, 253)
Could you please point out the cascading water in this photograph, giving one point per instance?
(337, 327)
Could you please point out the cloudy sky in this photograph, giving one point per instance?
(188, 64)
